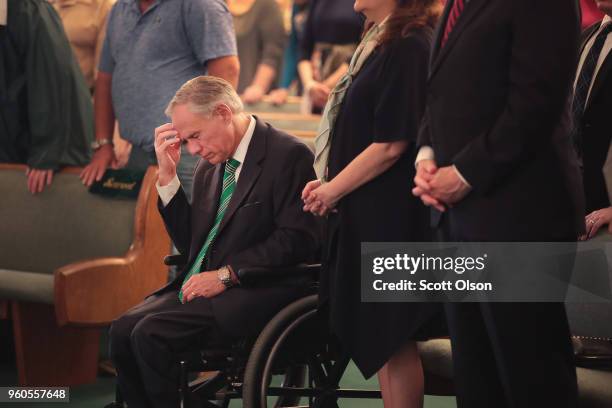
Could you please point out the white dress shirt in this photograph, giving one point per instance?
(602, 57)
(427, 153)
(167, 192)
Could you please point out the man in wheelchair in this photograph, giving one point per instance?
(246, 211)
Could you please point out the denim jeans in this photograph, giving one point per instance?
(140, 159)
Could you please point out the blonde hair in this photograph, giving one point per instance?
(203, 94)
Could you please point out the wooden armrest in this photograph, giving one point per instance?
(95, 292)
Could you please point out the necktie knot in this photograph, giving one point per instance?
(231, 166)
(453, 17)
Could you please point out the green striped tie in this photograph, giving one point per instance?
(229, 185)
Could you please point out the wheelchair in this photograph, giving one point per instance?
(293, 362)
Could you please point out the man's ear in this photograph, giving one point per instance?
(224, 112)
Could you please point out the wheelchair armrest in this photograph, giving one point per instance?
(175, 260)
(294, 275)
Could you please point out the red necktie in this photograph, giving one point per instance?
(453, 16)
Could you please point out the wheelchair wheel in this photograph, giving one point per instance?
(294, 362)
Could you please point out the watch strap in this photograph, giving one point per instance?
(98, 143)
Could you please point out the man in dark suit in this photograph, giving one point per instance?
(591, 107)
(496, 160)
(246, 211)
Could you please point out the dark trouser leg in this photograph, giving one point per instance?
(140, 159)
(158, 341)
(128, 373)
(515, 355)
(475, 372)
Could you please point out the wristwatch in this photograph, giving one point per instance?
(98, 143)
(225, 276)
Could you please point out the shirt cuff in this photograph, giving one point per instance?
(167, 192)
(461, 176)
(425, 153)
(233, 275)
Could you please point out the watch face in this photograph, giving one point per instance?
(224, 274)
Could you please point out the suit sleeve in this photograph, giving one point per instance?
(424, 135)
(177, 217)
(542, 64)
(295, 239)
(273, 35)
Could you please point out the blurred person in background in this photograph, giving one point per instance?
(289, 74)
(331, 34)
(592, 133)
(46, 116)
(151, 48)
(85, 26)
(260, 36)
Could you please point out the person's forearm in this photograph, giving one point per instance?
(103, 107)
(227, 68)
(369, 164)
(263, 77)
(333, 79)
(306, 74)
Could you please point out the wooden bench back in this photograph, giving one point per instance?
(63, 224)
(293, 105)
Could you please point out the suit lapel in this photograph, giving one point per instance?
(471, 10)
(587, 35)
(435, 49)
(600, 78)
(604, 70)
(249, 172)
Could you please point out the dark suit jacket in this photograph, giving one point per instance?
(596, 131)
(264, 225)
(498, 93)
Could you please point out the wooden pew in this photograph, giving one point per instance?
(303, 126)
(70, 263)
(293, 105)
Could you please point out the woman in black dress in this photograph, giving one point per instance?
(367, 195)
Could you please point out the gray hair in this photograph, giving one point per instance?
(203, 94)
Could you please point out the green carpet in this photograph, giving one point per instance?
(102, 392)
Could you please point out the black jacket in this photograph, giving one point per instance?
(596, 131)
(497, 108)
(264, 225)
